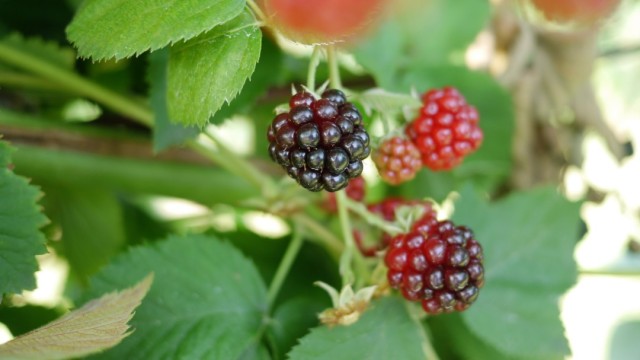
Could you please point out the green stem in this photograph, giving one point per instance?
(372, 219)
(334, 69)
(239, 166)
(350, 246)
(77, 84)
(12, 79)
(314, 61)
(257, 11)
(326, 237)
(198, 183)
(285, 265)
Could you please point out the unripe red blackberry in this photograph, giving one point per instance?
(397, 160)
(446, 129)
(320, 142)
(438, 264)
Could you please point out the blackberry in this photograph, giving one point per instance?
(397, 160)
(320, 142)
(446, 129)
(438, 264)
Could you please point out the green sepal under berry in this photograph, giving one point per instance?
(20, 221)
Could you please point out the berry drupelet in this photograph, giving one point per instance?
(320, 142)
(438, 264)
(446, 129)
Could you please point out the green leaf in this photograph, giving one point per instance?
(165, 132)
(49, 51)
(207, 301)
(92, 226)
(22, 319)
(528, 241)
(20, 219)
(385, 331)
(491, 164)
(98, 325)
(209, 70)
(267, 74)
(292, 320)
(419, 33)
(102, 29)
(451, 336)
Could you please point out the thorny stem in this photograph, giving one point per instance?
(334, 70)
(313, 66)
(285, 265)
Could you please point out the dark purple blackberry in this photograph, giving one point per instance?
(438, 264)
(320, 142)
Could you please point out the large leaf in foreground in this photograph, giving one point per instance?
(102, 29)
(385, 331)
(207, 300)
(528, 241)
(20, 220)
(211, 69)
(98, 325)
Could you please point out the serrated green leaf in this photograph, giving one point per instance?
(103, 29)
(207, 301)
(488, 167)
(528, 241)
(209, 70)
(49, 51)
(92, 226)
(292, 320)
(20, 220)
(165, 132)
(385, 331)
(98, 325)
(267, 74)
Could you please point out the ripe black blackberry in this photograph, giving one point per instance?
(438, 264)
(320, 142)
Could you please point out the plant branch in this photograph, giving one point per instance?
(314, 61)
(285, 265)
(75, 83)
(326, 237)
(334, 69)
(347, 234)
(257, 11)
(373, 219)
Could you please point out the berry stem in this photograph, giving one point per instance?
(235, 164)
(329, 240)
(347, 235)
(285, 265)
(314, 61)
(373, 219)
(257, 11)
(75, 83)
(334, 69)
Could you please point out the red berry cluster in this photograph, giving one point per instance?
(437, 263)
(446, 129)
